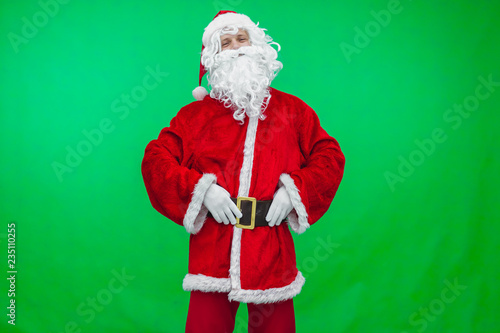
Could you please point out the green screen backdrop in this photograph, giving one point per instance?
(410, 89)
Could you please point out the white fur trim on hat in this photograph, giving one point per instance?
(225, 20)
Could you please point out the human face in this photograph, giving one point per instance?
(234, 42)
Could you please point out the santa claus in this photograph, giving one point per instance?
(238, 169)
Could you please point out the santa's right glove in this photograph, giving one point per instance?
(219, 204)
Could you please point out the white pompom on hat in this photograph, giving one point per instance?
(223, 19)
(200, 92)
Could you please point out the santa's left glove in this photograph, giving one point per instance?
(219, 204)
(280, 207)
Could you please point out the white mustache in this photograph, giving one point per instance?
(250, 51)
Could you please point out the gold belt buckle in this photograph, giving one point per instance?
(252, 219)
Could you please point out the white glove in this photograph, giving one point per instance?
(218, 202)
(280, 207)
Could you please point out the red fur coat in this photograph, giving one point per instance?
(205, 145)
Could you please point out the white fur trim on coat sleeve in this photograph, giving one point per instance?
(298, 216)
(206, 283)
(273, 295)
(197, 212)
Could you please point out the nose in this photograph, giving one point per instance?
(235, 44)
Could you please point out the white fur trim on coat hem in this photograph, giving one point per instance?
(272, 295)
(206, 283)
(298, 216)
(196, 213)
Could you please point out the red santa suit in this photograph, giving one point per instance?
(204, 145)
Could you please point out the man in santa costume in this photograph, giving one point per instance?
(238, 169)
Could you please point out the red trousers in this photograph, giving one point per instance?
(214, 313)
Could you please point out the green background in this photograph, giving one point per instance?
(398, 243)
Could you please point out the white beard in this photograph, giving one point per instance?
(240, 79)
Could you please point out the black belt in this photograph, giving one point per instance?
(254, 212)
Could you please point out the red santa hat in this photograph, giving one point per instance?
(223, 19)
